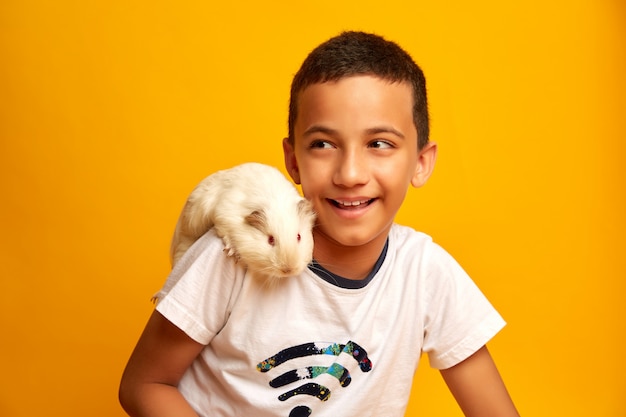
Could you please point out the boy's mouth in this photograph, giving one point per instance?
(351, 205)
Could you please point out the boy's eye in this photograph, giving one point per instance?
(381, 144)
(320, 144)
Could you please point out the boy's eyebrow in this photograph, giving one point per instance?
(370, 131)
(385, 129)
(319, 129)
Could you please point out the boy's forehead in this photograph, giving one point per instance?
(358, 92)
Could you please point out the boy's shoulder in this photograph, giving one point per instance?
(403, 235)
(418, 249)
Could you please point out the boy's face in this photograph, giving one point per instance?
(355, 154)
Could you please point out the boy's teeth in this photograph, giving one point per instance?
(352, 203)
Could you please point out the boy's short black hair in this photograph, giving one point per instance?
(360, 53)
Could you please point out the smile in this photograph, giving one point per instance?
(351, 204)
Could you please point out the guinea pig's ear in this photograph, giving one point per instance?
(257, 219)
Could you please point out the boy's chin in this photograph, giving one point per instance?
(344, 237)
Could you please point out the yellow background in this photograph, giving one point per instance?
(111, 111)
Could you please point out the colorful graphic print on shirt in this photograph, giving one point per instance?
(311, 372)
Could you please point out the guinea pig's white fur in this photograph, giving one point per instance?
(262, 219)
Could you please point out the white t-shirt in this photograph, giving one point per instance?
(307, 346)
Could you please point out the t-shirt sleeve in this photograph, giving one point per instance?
(459, 318)
(198, 293)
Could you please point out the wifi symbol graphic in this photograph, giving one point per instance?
(311, 372)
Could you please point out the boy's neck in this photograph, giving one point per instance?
(350, 262)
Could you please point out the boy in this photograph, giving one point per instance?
(344, 337)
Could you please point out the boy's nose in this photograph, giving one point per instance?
(352, 170)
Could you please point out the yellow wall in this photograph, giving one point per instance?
(111, 111)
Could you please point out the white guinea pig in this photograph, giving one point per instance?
(262, 219)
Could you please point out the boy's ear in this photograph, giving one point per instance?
(290, 161)
(425, 164)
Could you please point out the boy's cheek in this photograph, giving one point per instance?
(309, 193)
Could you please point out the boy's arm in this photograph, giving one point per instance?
(149, 383)
(478, 388)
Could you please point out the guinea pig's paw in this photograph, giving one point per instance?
(235, 255)
(228, 247)
(231, 252)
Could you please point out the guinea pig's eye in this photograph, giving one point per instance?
(299, 237)
(270, 240)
